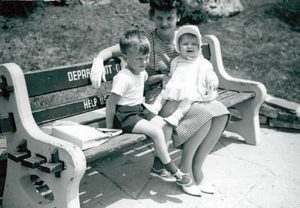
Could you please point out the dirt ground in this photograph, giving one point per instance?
(261, 43)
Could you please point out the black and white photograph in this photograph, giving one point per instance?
(149, 103)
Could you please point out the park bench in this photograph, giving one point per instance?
(35, 157)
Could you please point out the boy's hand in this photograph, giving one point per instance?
(97, 73)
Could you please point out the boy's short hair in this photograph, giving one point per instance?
(137, 39)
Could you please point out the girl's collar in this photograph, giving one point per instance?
(198, 58)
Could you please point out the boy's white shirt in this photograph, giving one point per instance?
(129, 86)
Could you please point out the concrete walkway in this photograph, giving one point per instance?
(245, 176)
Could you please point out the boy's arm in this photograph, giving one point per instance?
(111, 109)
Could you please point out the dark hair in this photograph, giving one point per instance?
(135, 38)
(164, 5)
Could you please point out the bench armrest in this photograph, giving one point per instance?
(226, 81)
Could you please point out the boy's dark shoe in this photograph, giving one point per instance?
(163, 174)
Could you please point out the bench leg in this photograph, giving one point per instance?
(248, 127)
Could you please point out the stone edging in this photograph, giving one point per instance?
(280, 113)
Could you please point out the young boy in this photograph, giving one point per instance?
(126, 102)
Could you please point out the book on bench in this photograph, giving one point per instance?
(83, 136)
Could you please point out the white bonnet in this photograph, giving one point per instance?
(187, 29)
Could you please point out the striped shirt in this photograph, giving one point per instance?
(161, 54)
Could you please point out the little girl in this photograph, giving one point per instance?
(192, 78)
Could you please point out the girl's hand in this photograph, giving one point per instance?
(211, 87)
(97, 73)
(212, 93)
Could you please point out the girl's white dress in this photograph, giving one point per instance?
(189, 79)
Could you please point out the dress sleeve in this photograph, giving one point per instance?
(211, 76)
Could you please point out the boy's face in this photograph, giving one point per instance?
(136, 62)
(189, 46)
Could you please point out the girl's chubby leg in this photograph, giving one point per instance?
(183, 108)
(216, 130)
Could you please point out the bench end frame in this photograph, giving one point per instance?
(248, 127)
(19, 190)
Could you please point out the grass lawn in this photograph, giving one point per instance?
(262, 43)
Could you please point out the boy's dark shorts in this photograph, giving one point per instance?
(128, 116)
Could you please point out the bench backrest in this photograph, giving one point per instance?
(50, 81)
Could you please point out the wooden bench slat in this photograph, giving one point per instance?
(95, 117)
(237, 98)
(47, 81)
(69, 109)
(226, 94)
(114, 144)
(57, 79)
(221, 91)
